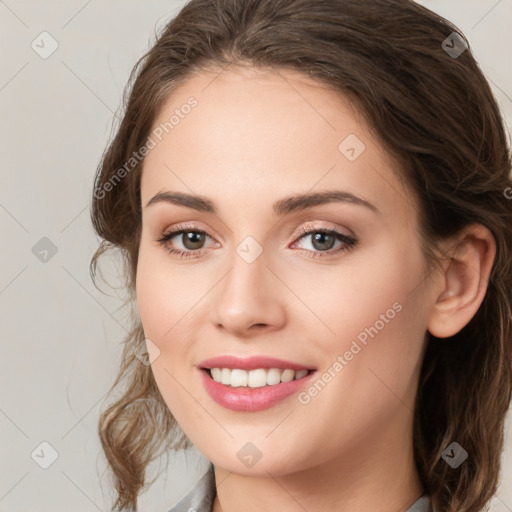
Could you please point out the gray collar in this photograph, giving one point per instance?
(201, 498)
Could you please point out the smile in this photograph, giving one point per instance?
(257, 378)
(254, 383)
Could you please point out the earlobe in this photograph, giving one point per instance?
(463, 281)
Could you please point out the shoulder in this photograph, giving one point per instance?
(201, 497)
(422, 504)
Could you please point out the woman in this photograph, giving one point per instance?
(312, 200)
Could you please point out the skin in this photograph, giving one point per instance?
(256, 137)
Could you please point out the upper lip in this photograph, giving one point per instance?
(250, 363)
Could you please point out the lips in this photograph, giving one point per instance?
(254, 383)
(251, 363)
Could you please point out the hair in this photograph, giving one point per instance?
(437, 119)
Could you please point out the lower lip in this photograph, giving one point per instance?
(251, 399)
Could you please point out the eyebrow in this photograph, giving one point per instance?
(281, 207)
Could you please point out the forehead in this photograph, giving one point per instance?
(264, 132)
(258, 105)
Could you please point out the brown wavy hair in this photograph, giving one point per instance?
(436, 116)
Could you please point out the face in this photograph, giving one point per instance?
(311, 312)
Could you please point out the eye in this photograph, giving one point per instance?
(190, 238)
(322, 241)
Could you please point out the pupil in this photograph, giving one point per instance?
(320, 237)
(193, 240)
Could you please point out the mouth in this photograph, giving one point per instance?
(255, 383)
(256, 378)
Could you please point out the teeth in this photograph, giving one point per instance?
(226, 376)
(238, 378)
(287, 376)
(255, 378)
(300, 374)
(216, 374)
(273, 376)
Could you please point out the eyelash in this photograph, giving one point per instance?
(349, 241)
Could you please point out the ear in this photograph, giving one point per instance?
(461, 287)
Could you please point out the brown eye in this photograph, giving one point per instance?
(192, 240)
(189, 243)
(323, 241)
(184, 242)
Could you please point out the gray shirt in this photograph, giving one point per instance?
(201, 498)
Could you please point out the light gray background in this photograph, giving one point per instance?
(61, 338)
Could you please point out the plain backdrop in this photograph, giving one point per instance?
(61, 337)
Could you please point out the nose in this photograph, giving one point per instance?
(249, 299)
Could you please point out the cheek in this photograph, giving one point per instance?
(376, 315)
(367, 288)
(150, 298)
(162, 311)
(169, 303)
(158, 295)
